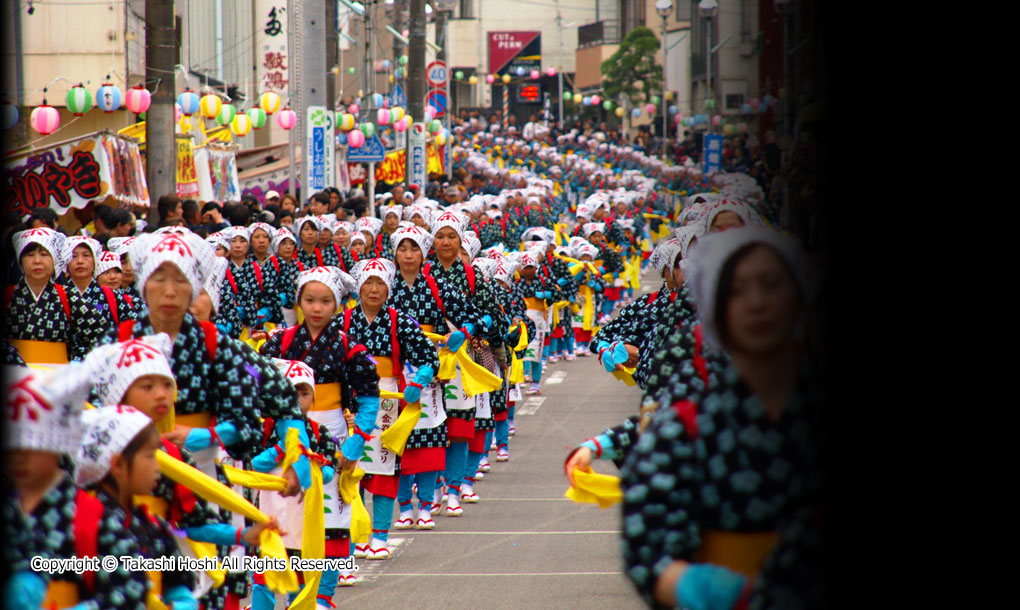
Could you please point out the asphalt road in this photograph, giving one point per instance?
(524, 545)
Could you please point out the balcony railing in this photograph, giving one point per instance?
(598, 33)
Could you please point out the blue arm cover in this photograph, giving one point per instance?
(562, 281)
(456, 340)
(424, 375)
(222, 534)
(264, 314)
(368, 408)
(705, 586)
(487, 320)
(199, 438)
(25, 590)
(224, 327)
(301, 467)
(327, 474)
(267, 460)
(608, 452)
(181, 598)
(470, 327)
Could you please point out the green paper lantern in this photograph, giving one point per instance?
(79, 100)
(709, 104)
(459, 75)
(257, 116)
(608, 105)
(435, 125)
(226, 115)
(656, 99)
(403, 60)
(567, 95)
(351, 70)
(368, 129)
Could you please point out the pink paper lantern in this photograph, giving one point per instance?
(489, 78)
(287, 118)
(679, 118)
(383, 116)
(430, 112)
(355, 139)
(716, 120)
(138, 99)
(535, 74)
(401, 125)
(550, 71)
(650, 108)
(45, 119)
(595, 100)
(353, 109)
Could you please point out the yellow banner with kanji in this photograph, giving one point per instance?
(391, 169)
(187, 175)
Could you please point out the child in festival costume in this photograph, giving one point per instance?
(291, 510)
(437, 309)
(516, 307)
(539, 294)
(44, 321)
(345, 376)
(394, 340)
(46, 515)
(591, 287)
(117, 460)
(120, 246)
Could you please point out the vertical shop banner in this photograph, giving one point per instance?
(320, 149)
(187, 176)
(713, 153)
(419, 160)
(272, 53)
(73, 173)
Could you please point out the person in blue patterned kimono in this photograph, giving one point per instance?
(268, 270)
(110, 273)
(120, 246)
(44, 321)
(744, 449)
(83, 255)
(383, 245)
(308, 254)
(285, 246)
(394, 340)
(241, 277)
(46, 515)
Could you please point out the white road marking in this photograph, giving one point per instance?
(556, 377)
(530, 406)
(370, 569)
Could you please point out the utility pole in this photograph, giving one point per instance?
(441, 21)
(368, 69)
(415, 69)
(312, 28)
(332, 58)
(398, 46)
(160, 141)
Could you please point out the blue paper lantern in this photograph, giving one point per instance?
(377, 100)
(189, 102)
(635, 113)
(520, 70)
(386, 64)
(109, 98)
(8, 116)
(673, 109)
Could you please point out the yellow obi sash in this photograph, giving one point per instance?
(157, 506)
(194, 420)
(41, 352)
(384, 366)
(327, 397)
(738, 551)
(598, 263)
(536, 304)
(61, 594)
(427, 328)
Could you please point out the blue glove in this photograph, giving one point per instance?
(424, 375)
(562, 281)
(541, 294)
(606, 357)
(302, 468)
(412, 394)
(705, 586)
(200, 438)
(601, 269)
(25, 590)
(222, 534)
(263, 315)
(593, 285)
(224, 327)
(456, 339)
(487, 321)
(240, 312)
(283, 299)
(181, 598)
(470, 328)
(267, 460)
(327, 474)
(368, 408)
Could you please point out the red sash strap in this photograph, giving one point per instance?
(275, 261)
(63, 300)
(233, 284)
(184, 498)
(318, 256)
(340, 257)
(699, 359)
(258, 273)
(88, 512)
(434, 288)
(111, 300)
(398, 367)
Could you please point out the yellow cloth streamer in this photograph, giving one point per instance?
(254, 480)
(395, 437)
(516, 370)
(153, 602)
(270, 543)
(588, 313)
(207, 549)
(361, 521)
(594, 488)
(387, 395)
(313, 535)
(626, 376)
(477, 379)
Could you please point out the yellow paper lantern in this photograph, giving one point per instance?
(396, 113)
(210, 105)
(270, 102)
(506, 79)
(241, 124)
(392, 80)
(619, 111)
(473, 80)
(669, 96)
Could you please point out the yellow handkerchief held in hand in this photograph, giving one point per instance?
(626, 376)
(271, 545)
(594, 488)
(313, 536)
(361, 521)
(477, 379)
(207, 549)
(254, 480)
(395, 437)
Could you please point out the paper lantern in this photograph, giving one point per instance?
(270, 102)
(392, 80)
(519, 71)
(635, 113)
(585, 100)
(383, 116)
(607, 104)
(535, 75)
(409, 120)
(189, 102)
(430, 112)
(490, 78)
(727, 130)
(386, 64)
(210, 105)
(346, 122)
(550, 71)
(669, 96)
(441, 138)
(341, 138)
(403, 60)
(79, 100)
(650, 108)
(351, 70)
(567, 95)
(506, 79)
(673, 109)
(762, 108)
(257, 116)
(226, 115)
(709, 104)
(45, 119)
(655, 100)
(678, 118)
(400, 125)
(716, 120)
(754, 102)
(355, 139)
(179, 114)
(459, 75)
(354, 109)
(377, 100)
(241, 125)
(286, 119)
(620, 112)
(435, 125)
(109, 97)
(595, 99)
(386, 102)
(397, 113)
(473, 80)
(368, 129)
(9, 116)
(138, 99)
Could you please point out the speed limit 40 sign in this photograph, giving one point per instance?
(436, 74)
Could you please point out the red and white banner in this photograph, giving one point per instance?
(504, 46)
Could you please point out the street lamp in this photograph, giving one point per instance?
(708, 9)
(663, 7)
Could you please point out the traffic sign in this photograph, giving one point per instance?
(437, 99)
(436, 74)
(372, 151)
(397, 96)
